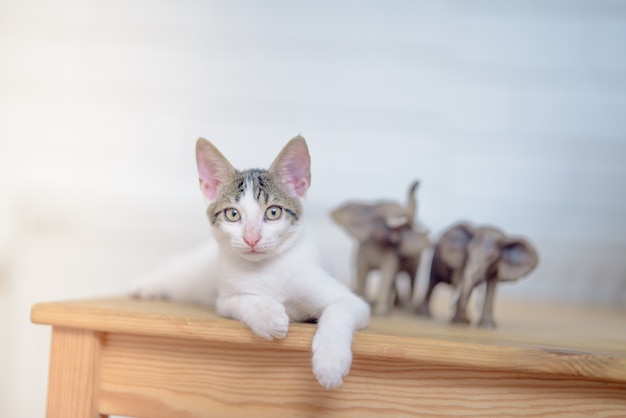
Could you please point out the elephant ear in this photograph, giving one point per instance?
(362, 219)
(517, 259)
(356, 218)
(452, 245)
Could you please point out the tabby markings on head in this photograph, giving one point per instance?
(266, 188)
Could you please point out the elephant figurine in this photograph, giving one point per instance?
(389, 241)
(467, 256)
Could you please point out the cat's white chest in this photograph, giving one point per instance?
(282, 279)
(270, 278)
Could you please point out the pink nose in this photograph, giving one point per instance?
(252, 240)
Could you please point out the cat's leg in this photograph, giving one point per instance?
(332, 343)
(265, 316)
(189, 277)
(342, 313)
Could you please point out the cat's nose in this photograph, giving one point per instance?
(252, 240)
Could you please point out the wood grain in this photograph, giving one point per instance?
(73, 376)
(545, 346)
(163, 377)
(159, 359)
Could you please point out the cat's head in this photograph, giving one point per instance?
(255, 213)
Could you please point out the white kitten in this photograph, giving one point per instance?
(262, 269)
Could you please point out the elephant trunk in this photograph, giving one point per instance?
(411, 204)
(473, 273)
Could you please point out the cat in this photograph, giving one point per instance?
(262, 266)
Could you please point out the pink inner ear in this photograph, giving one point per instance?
(208, 181)
(296, 175)
(209, 189)
(295, 170)
(299, 186)
(213, 168)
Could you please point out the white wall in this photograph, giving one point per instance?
(510, 113)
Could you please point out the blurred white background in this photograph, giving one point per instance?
(511, 113)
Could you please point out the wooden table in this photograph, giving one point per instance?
(158, 359)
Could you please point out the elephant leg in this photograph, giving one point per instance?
(424, 307)
(412, 272)
(462, 293)
(438, 274)
(388, 270)
(486, 319)
(362, 270)
(396, 300)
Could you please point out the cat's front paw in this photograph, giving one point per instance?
(331, 361)
(270, 321)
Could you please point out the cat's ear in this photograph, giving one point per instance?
(293, 166)
(213, 168)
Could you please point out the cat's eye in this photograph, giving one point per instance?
(273, 213)
(232, 215)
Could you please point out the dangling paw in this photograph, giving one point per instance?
(331, 361)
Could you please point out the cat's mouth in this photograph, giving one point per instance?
(252, 252)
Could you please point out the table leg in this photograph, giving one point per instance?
(73, 382)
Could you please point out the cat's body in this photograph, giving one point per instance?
(263, 268)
